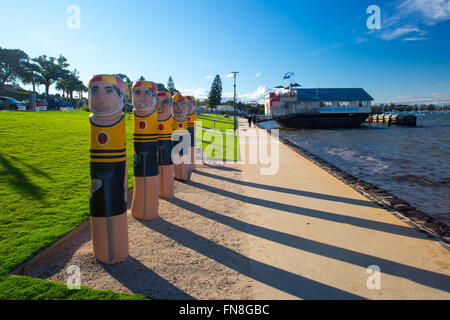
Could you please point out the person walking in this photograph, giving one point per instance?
(249, 118)
(254, 120)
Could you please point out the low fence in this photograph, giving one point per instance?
(214, 120)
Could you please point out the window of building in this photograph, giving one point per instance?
(326, 104)
(344, 103)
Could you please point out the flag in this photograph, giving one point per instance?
(288, 75)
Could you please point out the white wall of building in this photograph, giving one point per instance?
(313, 107)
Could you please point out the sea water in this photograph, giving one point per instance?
(412, 163)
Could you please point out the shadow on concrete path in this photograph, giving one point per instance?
(335, 217)
(421, 276)
(280, 279)
(291, 191)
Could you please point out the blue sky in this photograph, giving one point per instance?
(325, 43)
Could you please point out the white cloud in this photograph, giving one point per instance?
(198, 93)
(398, 32)
(409, 16)
(429, 12)
(210, 76)
(228, 95)
(255, 95)
(258, 74)
(415, 39)
(361, 40)
(230, 75)
(201, 93)
(435, 98)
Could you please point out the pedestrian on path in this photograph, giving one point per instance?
(249, 118)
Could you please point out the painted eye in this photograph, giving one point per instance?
(94, 90)
(108, 90)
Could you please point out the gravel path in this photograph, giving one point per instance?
(184, 254)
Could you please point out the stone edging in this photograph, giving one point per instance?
(24, 267)
(419, 220)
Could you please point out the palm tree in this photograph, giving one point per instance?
(80, 88)
(50, 69)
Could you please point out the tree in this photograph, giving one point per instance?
(141, 78)
(123, 77)
(51, 69)
(80, 88)
(14, 64)
(69, 83)
(161, 87)
(128, 85)
(215, 94)
(171, 86)
(61, 85)
(29, 76)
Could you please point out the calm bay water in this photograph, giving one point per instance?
(412, 163)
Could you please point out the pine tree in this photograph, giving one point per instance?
(171, 86)
(215, 95)
(142, 78)
(161, 87)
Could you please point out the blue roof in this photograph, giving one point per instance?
(333, 94)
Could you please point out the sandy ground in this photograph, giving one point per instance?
(184, 254)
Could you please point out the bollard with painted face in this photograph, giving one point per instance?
(108, 167)
(145, 146)
(181, 138)
(192, 118)
(165, 145)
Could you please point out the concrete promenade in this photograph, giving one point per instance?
(233, 233)
(313, 237)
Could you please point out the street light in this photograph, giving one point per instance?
(33, 95)
(234, 73)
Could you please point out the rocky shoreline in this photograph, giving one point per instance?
(420, 220)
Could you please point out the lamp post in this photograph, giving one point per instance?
(234, 73)
(33, 95)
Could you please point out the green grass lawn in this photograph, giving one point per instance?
(216, 116)
(44, 188)
(215, 142)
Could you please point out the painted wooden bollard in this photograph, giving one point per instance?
(108, 169)
(192, 118)
(145, 146)
(180, 137)
(165, 129)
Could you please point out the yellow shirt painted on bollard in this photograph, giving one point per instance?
(165, 129)
(145, 129)
(180, 124)
(107, 143)
(191, 119)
